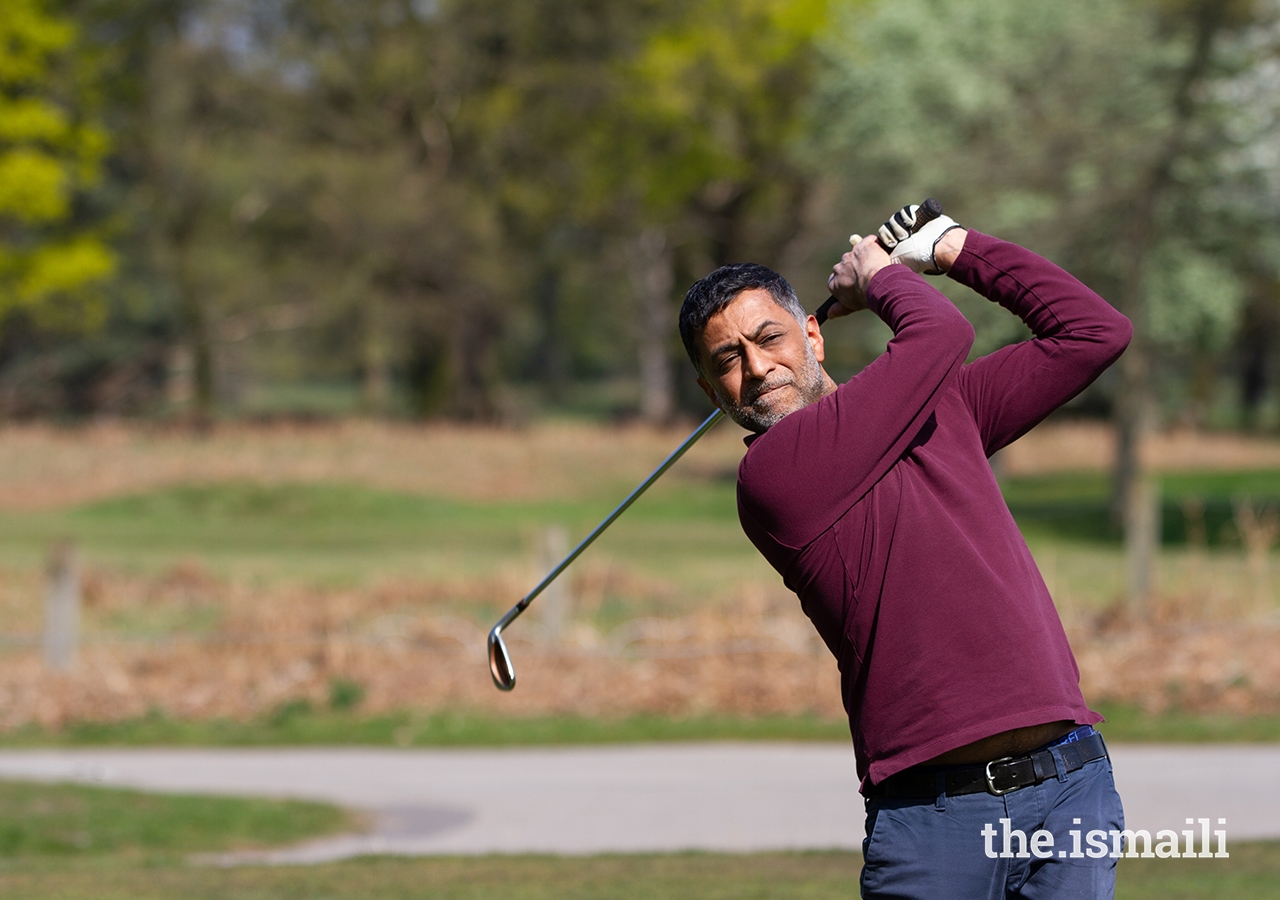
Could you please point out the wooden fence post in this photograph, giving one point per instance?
(62, 608)
(555, 599)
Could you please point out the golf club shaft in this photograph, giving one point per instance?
(500, 665)
(621, 508)
(929, 210)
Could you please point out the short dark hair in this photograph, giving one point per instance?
(713, 293)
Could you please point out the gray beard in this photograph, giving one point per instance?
(760, 411)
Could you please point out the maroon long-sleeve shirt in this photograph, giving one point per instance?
(879, 508)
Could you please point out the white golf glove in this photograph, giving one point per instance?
(914, 250)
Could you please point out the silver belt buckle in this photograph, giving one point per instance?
(991, 788)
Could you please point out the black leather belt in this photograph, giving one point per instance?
(1000, 776)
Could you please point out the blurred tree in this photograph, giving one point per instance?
(1095, 132)
(196, 99)
(143, 58)
(1254, 93)
(53, 260)
(691, 164)
(495, 172)
(429, 148)
(187, 104)
(450, 190)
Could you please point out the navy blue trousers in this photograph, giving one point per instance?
(1051, 840)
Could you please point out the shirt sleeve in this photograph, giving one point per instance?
(1077, 335)
(806, 471)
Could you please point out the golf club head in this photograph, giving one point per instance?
(500, 667)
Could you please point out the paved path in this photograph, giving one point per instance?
(722, 796)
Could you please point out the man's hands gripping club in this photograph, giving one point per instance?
(851, 276)
(930, 250)
(918, 248)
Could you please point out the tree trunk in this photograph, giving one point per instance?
(1258, 329)
(552, 365)
(375, 382)
(470, 364)
(199, 335)
(1135, 496)
(202, 369)
(651, 281)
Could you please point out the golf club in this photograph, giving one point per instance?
(504, 673)
(500, 665)
(929, 210)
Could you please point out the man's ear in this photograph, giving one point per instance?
(813, 332)
(709, 391)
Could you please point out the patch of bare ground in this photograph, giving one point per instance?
(1090, 446)
(44, 467)
(242, 651)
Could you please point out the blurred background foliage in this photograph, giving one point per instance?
(489, 210)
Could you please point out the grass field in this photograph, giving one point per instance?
(231, 581)
(300, 725)
(41, 824)
(297, 586)
(685, 531)
(79, 843)
(1253, 871)
(356, 504)
(686, 528)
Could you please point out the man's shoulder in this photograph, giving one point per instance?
(779, 452)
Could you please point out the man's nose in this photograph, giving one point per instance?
(756, 363)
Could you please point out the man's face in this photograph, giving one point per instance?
(759, 363)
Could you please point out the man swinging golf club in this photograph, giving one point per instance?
(875, 502)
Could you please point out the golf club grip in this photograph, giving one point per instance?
(824, 310)
(929, 210)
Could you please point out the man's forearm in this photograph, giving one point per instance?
(1051, 301)
(1077, 335)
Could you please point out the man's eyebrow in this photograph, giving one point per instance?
(730, 344)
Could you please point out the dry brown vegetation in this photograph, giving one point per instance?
(260, 648)
(1090, 446)
(43, 466)
(263, 647)
(197, 646)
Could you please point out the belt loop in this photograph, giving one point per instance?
(940, 790)
(1058, 762)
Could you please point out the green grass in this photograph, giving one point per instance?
(1073, 506)
(73, 822)
(298, 724)
(683, 534)
(685, 530)
(1128, 724)
(70, 842)
(332, 533)
(1252, 871)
